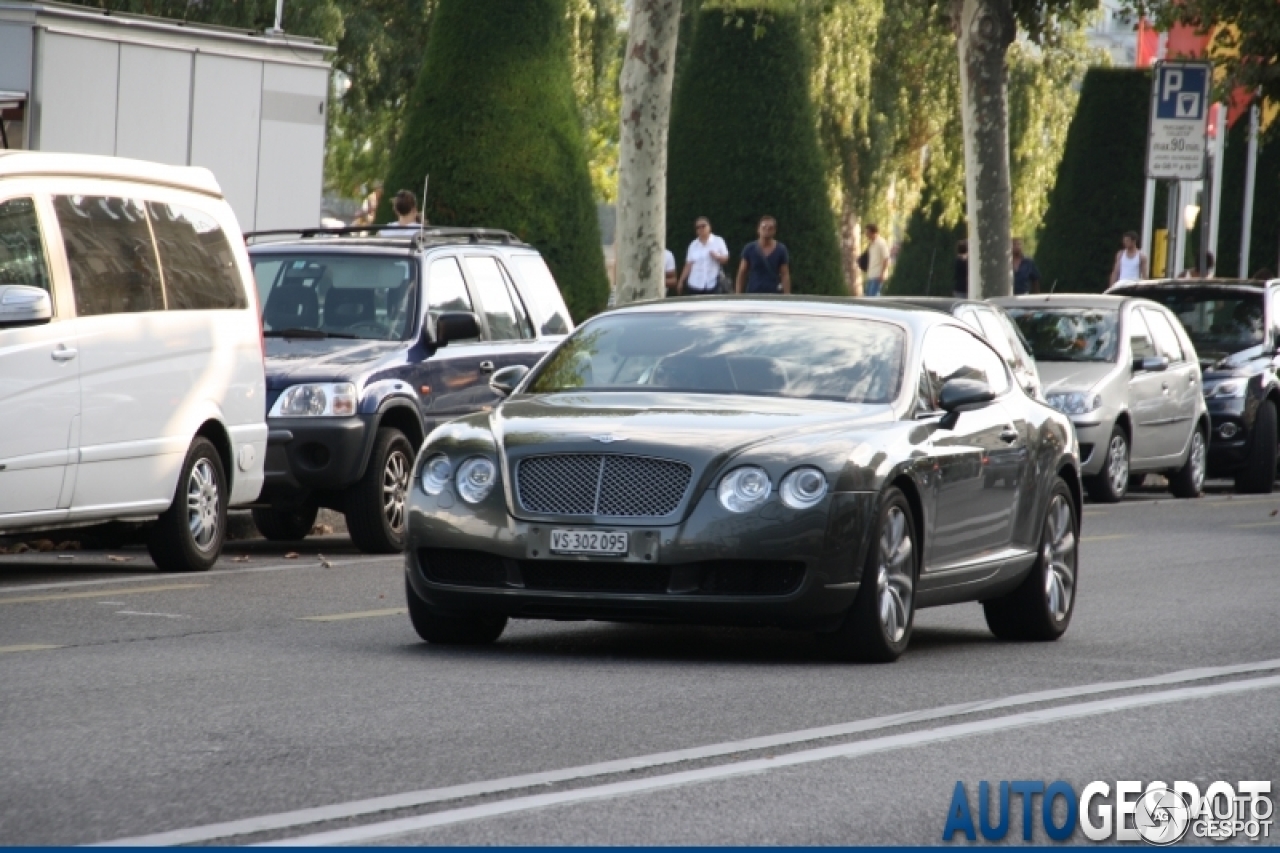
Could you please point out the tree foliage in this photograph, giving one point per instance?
(493, 121)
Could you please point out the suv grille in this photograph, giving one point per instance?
(601, 484)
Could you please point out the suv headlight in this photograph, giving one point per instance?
(803, 488)
(744, 489)
(1074, 402)
(476, 478)
(1226, 389)
(317, 400)
(435, 474)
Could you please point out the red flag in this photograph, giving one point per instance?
(1148, 44)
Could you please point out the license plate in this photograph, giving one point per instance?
(589, 542)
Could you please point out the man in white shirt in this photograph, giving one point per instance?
(877, 261)
(408, 220)
(707, 253)
(669, 271)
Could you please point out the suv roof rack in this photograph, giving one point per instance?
(414, 238)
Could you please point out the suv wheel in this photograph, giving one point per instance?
(286, 525)
(1258, 476)
(188, 536)
(377, 505)
(1112, 482)
(1188, 481)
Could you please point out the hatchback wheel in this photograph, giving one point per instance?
(188, 536)
(1258, 476)
(377, 505)
(1188, 481)
(1112, 482)
(1041, 607)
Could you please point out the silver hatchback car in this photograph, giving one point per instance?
(1127, 375)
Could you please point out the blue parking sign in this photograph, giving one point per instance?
(1180, 93)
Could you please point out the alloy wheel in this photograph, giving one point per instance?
(395, 486)
(894, 581)
(1197, 460)
(202, 504)
(1118, 464)
(1059, 556)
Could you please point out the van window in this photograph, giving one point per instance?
(22, 259)
(544, 294)
(200, 270)
(112, 258)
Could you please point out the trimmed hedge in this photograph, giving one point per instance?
(493, 121)
(926, 261)
(744, 143)
(1264, 241)
(1098, 193)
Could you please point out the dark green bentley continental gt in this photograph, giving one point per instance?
(827, 465)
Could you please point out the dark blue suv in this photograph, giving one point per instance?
(372, 340)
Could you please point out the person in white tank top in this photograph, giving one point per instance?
(1131, 264)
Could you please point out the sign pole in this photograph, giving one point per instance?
(1148, 211)
(1250, 179)
(1215, 194)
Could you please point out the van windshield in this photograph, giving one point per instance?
(323, 295)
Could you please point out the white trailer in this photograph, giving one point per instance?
(249, 106)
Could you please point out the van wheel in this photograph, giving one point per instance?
(286, 525)
(1112, 482)
(1258, 476)
(377, 506)
(451, 629)
(1188, 481)
(188, 536)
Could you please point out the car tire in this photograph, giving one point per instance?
(1188, 481)
(1040, 609)
(1258, 476)
(188, 536)
(286, 525)
(443, 628)
(877, 628)
(1112, 482)
(377, 505)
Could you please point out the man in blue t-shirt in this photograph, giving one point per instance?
(766, 266)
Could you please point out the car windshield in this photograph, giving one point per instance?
(1219, 322)
(1068, 334)
(320, 295)
(760, 354)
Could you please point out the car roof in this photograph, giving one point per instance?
(1137, 287)
(38, 164)
(1063, 300)
(836, 306)
(947, 304)
(374, 238)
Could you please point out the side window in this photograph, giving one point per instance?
(544, 294)
(495, 299)
(112, 258)
(1166, 338)
(1275, 316)
(994, 332)
(446, 290)
(22, 258)
(523, 321)
(1139, 336)
(951, 353)
(200, 271)
(970, 318)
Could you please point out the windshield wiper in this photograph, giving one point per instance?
(308, 334)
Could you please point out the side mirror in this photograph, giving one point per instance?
(455, 326)
(1151, 363)
(962, 395)
(504, 381)
(21, 305)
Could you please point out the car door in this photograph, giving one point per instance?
(455, 379)
(979, 463)
(510, 327)
(1180, 385)
(1146, 391)
(39, 373)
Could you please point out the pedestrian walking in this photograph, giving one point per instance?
(766, 264)
(877, 261)
(1026, 277)
(707, 254)
(961, 287)
(669, 271)
(405, 205)
(1131, 263)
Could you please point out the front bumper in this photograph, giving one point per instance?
(775, 566)
(306, 455)
(1094, 434)
(1231, 421)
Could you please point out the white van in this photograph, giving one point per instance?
(131, 359)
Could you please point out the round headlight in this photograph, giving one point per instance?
(476, 477)
(803, 488)
(744, 489)
(435, 474)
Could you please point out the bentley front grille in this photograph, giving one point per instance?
(601, 484)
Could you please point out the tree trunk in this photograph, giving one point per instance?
(647, 72)
(984, 31)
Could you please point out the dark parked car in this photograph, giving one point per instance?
(1235, 325)
(372, 341)
(808, 463)
(994, 324)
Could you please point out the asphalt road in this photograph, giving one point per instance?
(287, 699)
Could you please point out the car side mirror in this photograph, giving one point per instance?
(962, 395)
(455, 326)
(21, 305)
(504, 381)
(1150, 363)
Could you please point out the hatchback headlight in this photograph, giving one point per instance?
(1074, 402)
(435, 474)
(1225, 390)
(316, 400)
(476, 478)
(803, 488)
(744, 489)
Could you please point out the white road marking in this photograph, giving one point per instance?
(366, 807)
(143, 613)
(28, 647)
(363, 614)
(71, 596)
(909, 740)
